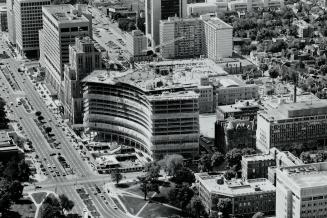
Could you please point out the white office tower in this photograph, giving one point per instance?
(11, 21)
(285, 124)
(218, 38)
(181, 38)
(136, 43)
(61, 25)
(301, 191)
(28, 22)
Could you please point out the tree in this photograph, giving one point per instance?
(38, 113)
(116, 176)
(323, 69)
(205, 163)
(11, 170)
(216, 159)
(196, 206)
(126, 24)
(5, 198)
(229, 174)
(263, 67)
(17, 169)
(172, 163)
(2, 168)
(40, 118)
(146, 185)
(4, 121)
(248, 151)
(24, 171)
(305, 157)
(16, 190)
(273, 72)
(51, 207)
(320, 156)
(258, 215)
(184, 175)
(54, 207)
(48, 129)
(180, 196)
(234, 158)
(65, 203)
(293, 31)
(225, 206)
(265, 33)
(149, 181)
(5, 203)
(277, 47)
(152, 170)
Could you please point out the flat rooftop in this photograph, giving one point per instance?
(308, 175)
(238, 106)
(166, 75)
(33, 0)
(177, 19)
(288, 110)
(258, 157)
(235, 187)
(65, 13)
(217, 23)
(174, 95)
(202, 4)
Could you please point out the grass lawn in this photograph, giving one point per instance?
(135, 189)
(38, 197)
(132, 204)
(154, 210)
(23, 209)
(118, 204)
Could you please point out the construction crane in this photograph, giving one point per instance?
(165, 44)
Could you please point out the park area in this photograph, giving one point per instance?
(156, 205)
(24, 208)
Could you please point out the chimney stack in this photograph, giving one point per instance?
(294, 97)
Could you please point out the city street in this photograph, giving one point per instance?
(84, 175)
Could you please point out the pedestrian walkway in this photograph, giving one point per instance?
(38, 205)
(116, 192)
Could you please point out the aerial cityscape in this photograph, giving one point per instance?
(163, 108)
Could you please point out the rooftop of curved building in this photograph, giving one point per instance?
(167, 75)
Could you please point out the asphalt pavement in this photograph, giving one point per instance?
(60, 184)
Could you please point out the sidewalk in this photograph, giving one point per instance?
(116, 192)
(38, 205)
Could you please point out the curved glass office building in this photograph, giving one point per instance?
(157, 123)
